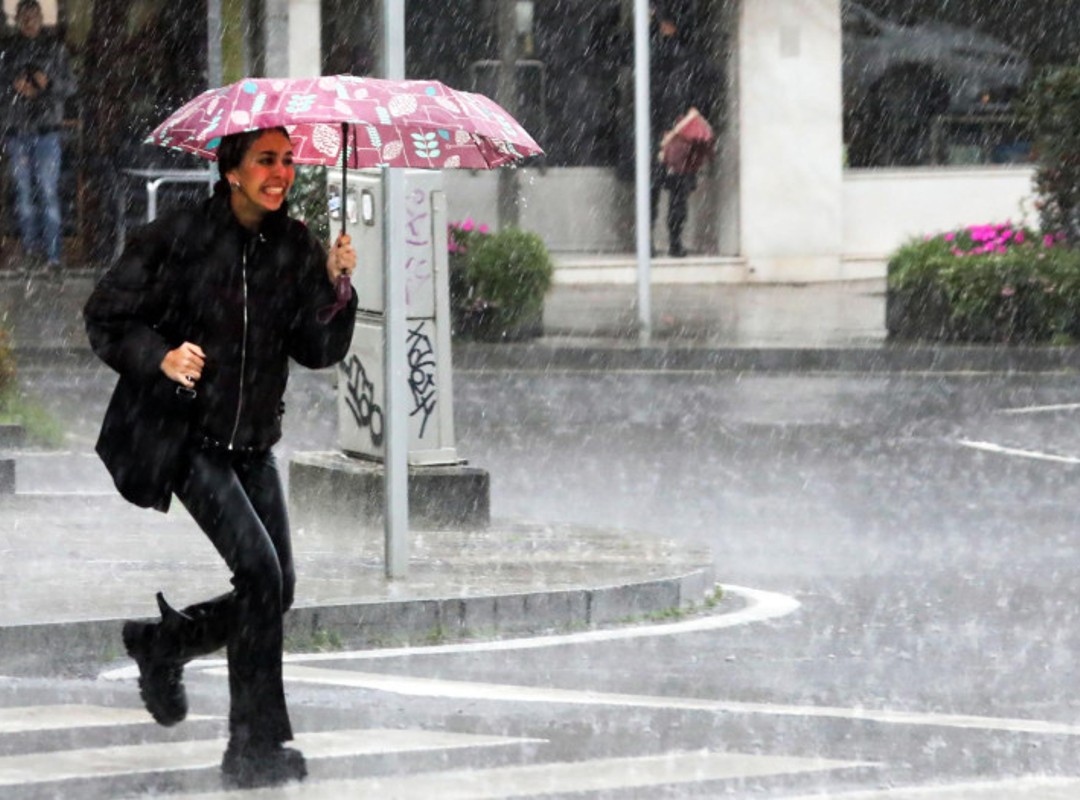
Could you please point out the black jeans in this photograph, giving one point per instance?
(238, 501)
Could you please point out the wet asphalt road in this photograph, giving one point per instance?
(935, 577)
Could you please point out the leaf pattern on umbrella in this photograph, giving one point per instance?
(444, 128)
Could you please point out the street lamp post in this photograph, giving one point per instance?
(643, 167)
(396, 523)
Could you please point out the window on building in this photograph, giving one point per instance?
(934, 82)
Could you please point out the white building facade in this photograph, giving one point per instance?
(778, 203)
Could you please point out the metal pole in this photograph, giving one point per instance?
(214, 67)
(394, 355)
(506, 95)
(643, 167)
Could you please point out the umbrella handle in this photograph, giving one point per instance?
(342, 296)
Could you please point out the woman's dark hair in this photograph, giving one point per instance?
(232, 149)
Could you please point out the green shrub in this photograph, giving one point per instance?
(989, 283)
(17, 408)
(42, 427)
(1002, 282)
(498, 281)
(7, 363)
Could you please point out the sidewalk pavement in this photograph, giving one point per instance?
(814, 326)
(77, 563)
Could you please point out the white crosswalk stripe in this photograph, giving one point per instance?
(144, 758)
(100, 767)
(1037, 788)
(26, 719)
(597, 775)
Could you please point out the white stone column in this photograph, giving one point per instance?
(305, 38)
(277, 36)
(790, 139)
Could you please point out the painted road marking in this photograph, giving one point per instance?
(156, 757)
(461, 690)
(24, 719)
(760, 606)
(1034, 788)
(599, 775)
(990, 447)
(1040, 409)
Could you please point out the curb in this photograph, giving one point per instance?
(57, 647)
(591, 356)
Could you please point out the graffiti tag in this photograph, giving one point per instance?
(421, 375)
(361, 399)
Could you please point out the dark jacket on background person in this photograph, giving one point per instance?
(680, 76)
(249, 300)
(672, 83)
(21, 56)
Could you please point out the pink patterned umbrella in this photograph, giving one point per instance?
(417, 124)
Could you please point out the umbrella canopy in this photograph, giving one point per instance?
(375, 122)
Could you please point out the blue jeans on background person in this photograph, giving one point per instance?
(34, 161)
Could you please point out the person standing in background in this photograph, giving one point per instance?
(675, 89)
(35, 81)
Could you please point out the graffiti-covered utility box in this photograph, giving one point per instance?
(427, 287)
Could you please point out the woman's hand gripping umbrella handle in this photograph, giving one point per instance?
(340, 264)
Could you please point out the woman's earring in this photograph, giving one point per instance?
(234, 185)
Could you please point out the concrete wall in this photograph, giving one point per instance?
(884, 208)
(573, 209)
(586, 210)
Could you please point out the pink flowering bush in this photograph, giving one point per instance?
(459, 234)
(497, 281)
(991, 283)
(465, 304)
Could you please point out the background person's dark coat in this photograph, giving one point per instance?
(680, 76)
(20, 56)
(199, 276)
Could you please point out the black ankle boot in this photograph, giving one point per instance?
(247, 765)
(154, 647)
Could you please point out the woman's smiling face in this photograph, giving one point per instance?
(263, 178)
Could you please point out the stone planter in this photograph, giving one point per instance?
(485, 323)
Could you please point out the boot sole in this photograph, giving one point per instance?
(259, 772)
(132, 634)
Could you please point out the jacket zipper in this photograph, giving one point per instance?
(243, 349)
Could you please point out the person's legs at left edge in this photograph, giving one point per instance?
(47, 157)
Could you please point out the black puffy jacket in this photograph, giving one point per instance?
(249, 300)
